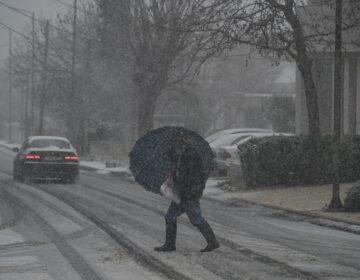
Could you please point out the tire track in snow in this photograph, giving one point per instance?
(137, 253)
(69, 253)
(238, 248)
(242, 250)
(75, 259)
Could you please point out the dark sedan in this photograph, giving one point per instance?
(46, 158)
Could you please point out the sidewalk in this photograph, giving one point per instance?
(310, 199)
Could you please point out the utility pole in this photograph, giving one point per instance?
(335, 202)
(74, 48)
(32, 73)
(22, 112)
(26, 117)
(10, 86)
(71, 122)
(43, 82)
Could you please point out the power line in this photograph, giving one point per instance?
(17, 10)
(79, 9)
(20, 11)
(28, 16)
(7, 27)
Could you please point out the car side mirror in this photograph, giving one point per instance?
(16, 149)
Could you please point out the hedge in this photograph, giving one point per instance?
(297, 160)
(352, 199)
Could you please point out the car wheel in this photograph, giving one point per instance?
(18, 176)
(25, 176)
(15, 174)
(64, 180)
(73, 179)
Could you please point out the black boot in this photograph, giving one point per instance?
(170, 239)
(209, 236)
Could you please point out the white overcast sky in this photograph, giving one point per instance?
(45, 8)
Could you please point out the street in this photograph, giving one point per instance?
(104, 227)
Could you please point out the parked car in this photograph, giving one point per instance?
(231, 139)
(228, 156)
(46, 157)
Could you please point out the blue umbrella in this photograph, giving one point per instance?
(150, 161)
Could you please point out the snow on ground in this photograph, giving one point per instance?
(9, 146)
(100, 167)
(93, 164)
(212, 185)
(212, 188)
(300, 198)
(308, 199)
(8, 236)
(74, 239)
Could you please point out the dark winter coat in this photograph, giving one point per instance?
(188, 173)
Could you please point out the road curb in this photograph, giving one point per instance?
(305, 213)
(313, 218)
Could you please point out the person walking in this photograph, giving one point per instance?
(188, 184)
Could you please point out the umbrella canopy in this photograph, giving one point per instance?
(150, 161)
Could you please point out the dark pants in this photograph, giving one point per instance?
(192, 209)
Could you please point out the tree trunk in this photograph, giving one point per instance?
(71, 123)
(82, 137)
(335, 202)
(311, 97)
(304, 63)
(146, 108)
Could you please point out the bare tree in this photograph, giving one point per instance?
(57, 99)
(162, 48)
(286, 29)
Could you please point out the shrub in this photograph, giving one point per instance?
(352, 199)
(291, 160)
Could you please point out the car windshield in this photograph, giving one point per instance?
(49, 143)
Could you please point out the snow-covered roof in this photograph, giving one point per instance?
(51, 149)
(32, 138)
(217, 134)
(228, 139)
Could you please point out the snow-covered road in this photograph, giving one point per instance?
(105, 228)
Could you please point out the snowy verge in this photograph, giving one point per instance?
(100, 167)
(6, 145)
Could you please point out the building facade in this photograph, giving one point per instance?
(323, 70)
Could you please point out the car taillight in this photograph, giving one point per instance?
(31, 156)
(71, 158)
